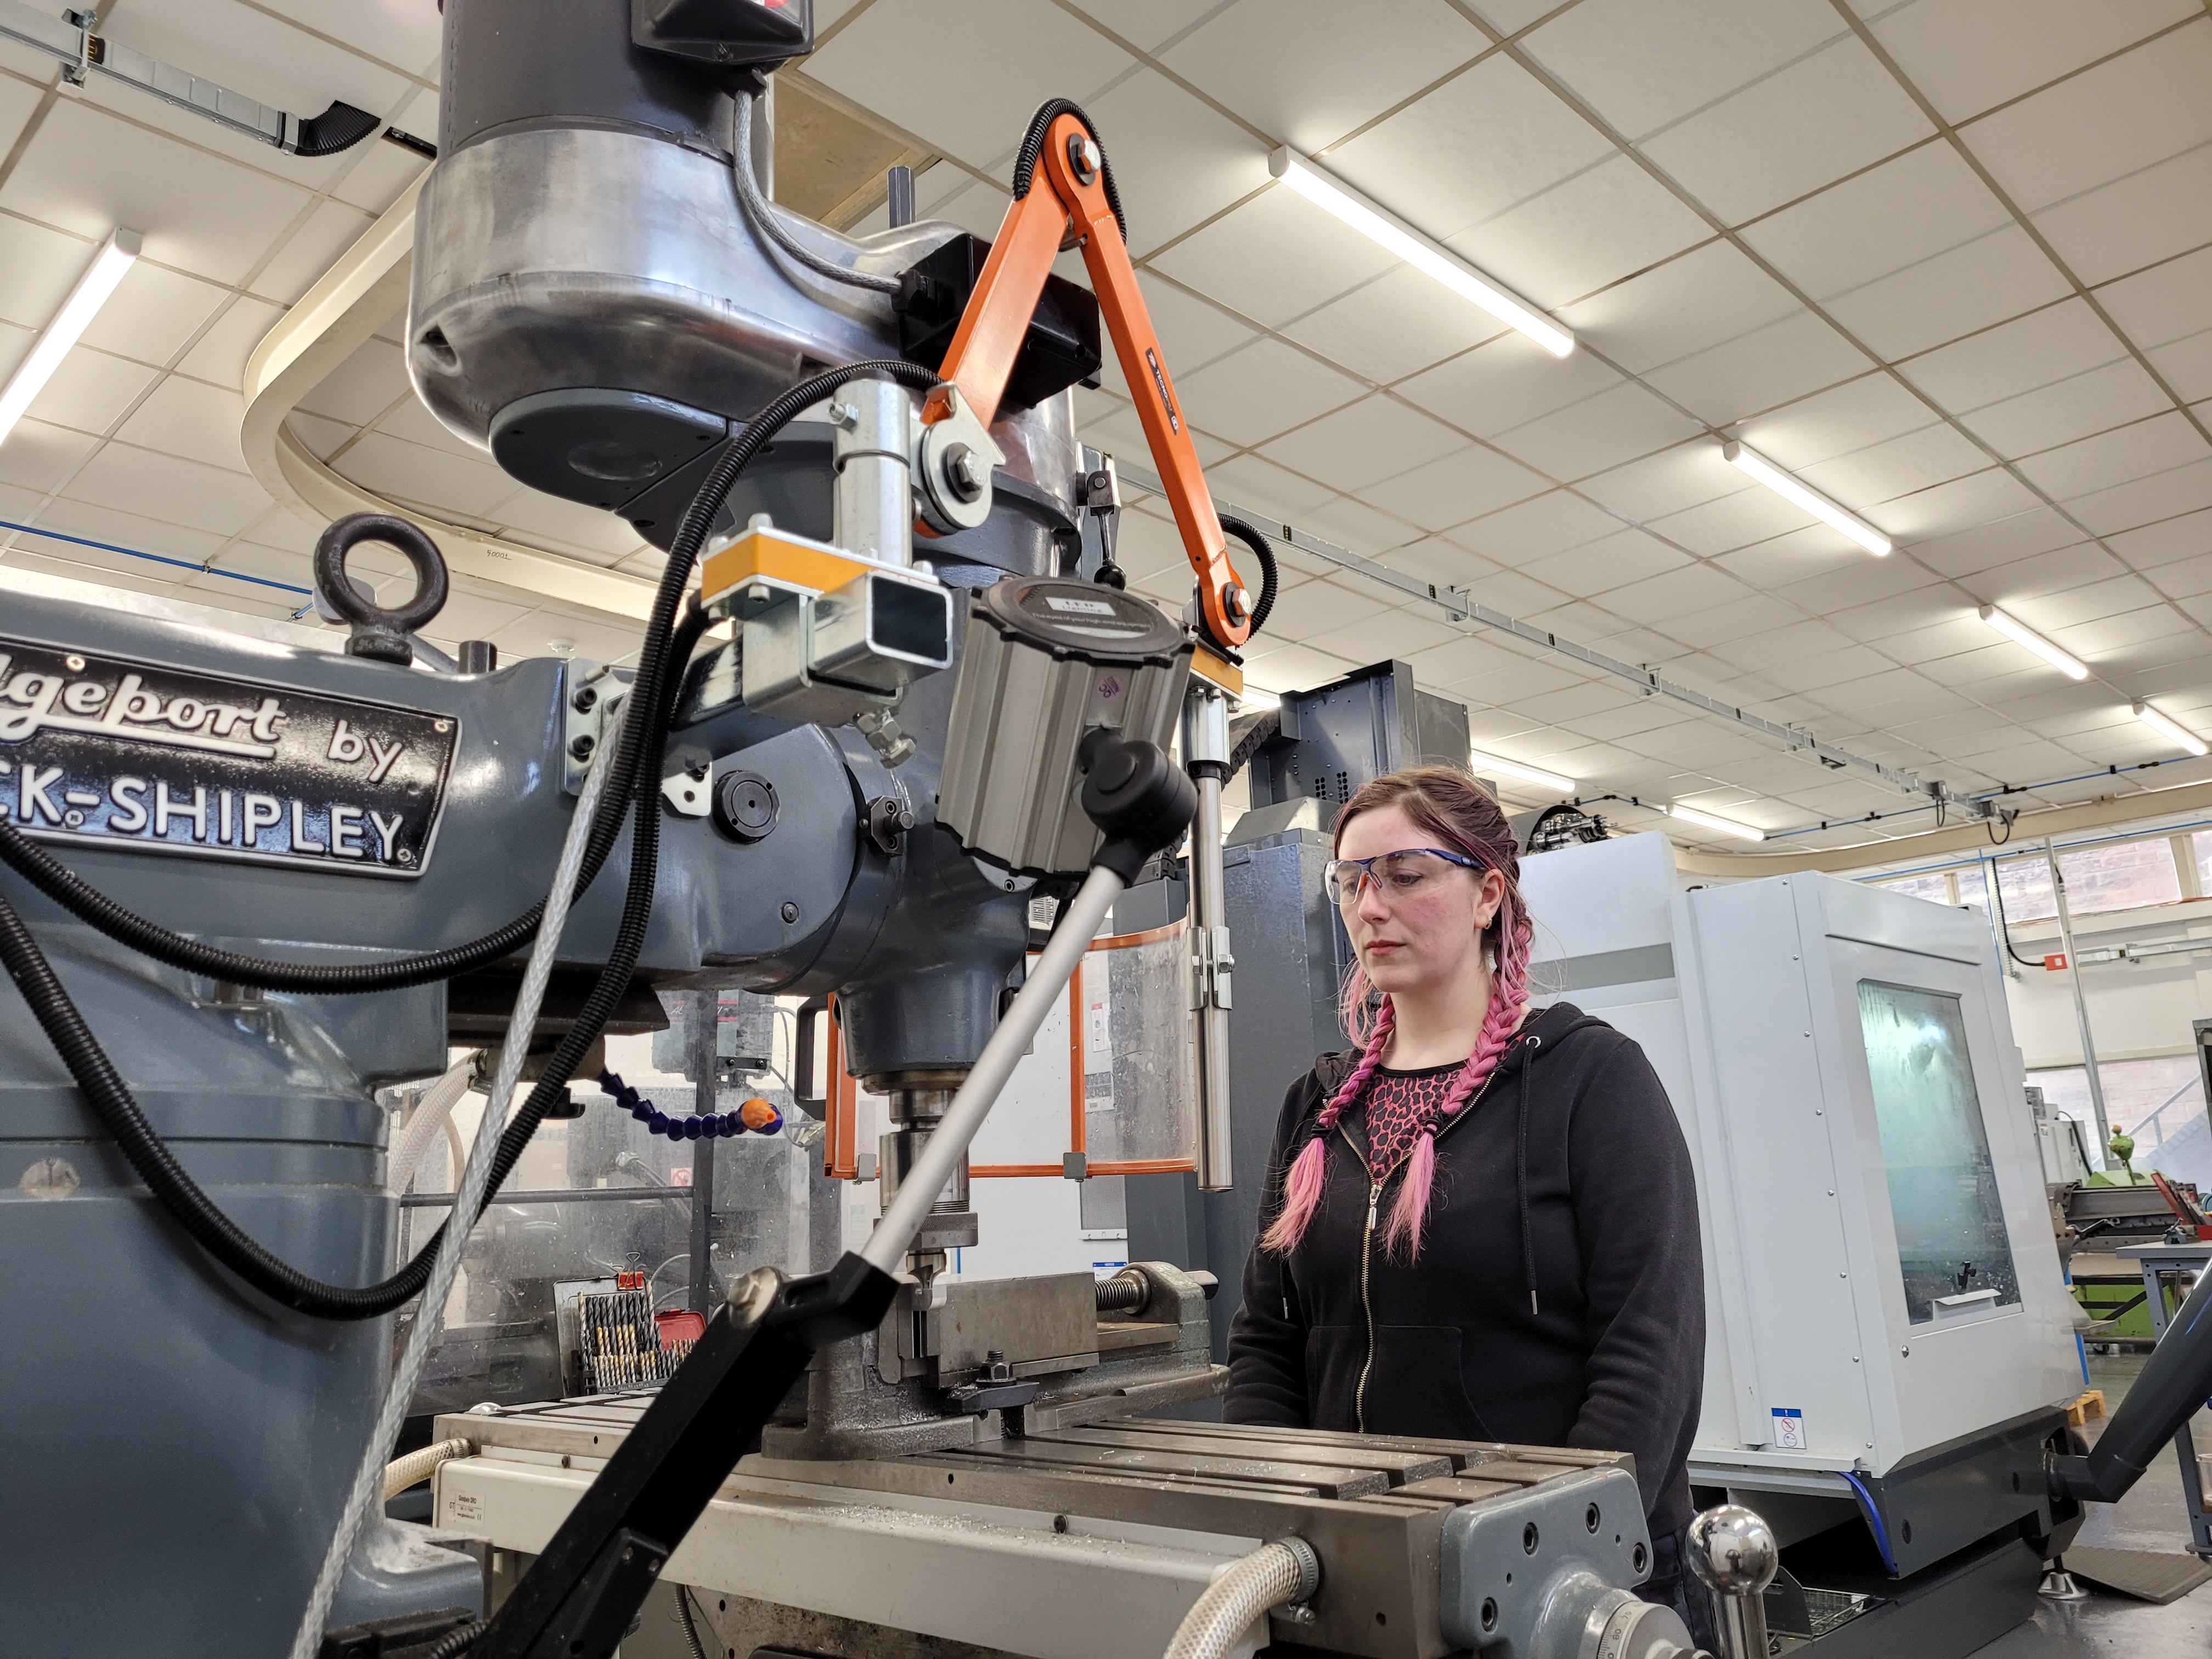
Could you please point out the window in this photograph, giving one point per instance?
(2200, 844)
(2125, 876)
(2159, 1102)
(1934, 886)
(2023, 885)
(1953, 1251)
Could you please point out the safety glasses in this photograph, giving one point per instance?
(1395, 875)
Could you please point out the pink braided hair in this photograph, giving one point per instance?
(1460, 813)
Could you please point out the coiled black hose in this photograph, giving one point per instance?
(1025, 158)
(456, 1642)
(1263, 551)
(668, 645)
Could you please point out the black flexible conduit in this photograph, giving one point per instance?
(1263, 551)
(667, 646)
(1025, 158)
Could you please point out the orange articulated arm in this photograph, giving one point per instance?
(1074, 197)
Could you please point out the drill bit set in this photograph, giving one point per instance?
(620, 1345)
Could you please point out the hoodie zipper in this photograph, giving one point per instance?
(1367, 1246)
(1366, 1254)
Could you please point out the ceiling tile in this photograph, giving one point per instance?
(2132, 221)
(201, 497)
(410, 473)
(2165, 303)
(1354, 525)
(1548, 524)
(1263, 389)
(309, 250)
(1871, 409)
(322, 437)
(1732, 522)
(2112, 396)
(184, 418)
(1924, 202)
(85, 172)
(1456, 487)
(153, 314)
(39, 266)
(1688, 474)
(1986, 281)
(1867, 477)
(1313, 608)
(1506, 383)
(2106, 122)
(1698, 588)
(1576, 237)
(2001, 541)
(2049, 345)
(1376, 438)
(1790, 133)
(1852, 585)
(2187, 366)
(2184, 535)
(1275, 258)
(531, 516)
(1708, 295)
(39, 457)
(1598, 433)
(1176, 160)
(1147, 25)
(1274, 492)
(1639, 67)
(1378, 639)
(1968, 56)
(1259, 58)
(1122, 434)
(1942, 509)
(2116, 458)
(2090, 602)
(1763, 369)
(1005, 56)
(220, 354)
(1401, 322)
(2093, 639)
(91, 390)
(1611, 562)
(2145, 502)
(1792, 558)
(1473, 148)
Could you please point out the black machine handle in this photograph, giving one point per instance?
(2173, 1384)
(802, 1060)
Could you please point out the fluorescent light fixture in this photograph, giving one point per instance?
(1725, 826)
(2168, 729)
(1431, 259)
(1812, 500)
(2011, 629)
(1534, 774)
(116, 256)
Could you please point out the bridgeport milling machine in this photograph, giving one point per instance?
(242, 875)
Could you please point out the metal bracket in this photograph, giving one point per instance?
(687, 793)
(590, 698)
(1212, 962)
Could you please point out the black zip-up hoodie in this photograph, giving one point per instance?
(1559, 1298)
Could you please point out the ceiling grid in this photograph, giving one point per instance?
(1851, 236)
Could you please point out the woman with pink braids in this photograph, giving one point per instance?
(1481, 1224)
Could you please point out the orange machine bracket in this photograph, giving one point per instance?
(998, 317)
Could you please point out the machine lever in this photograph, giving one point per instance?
(1734, 1555)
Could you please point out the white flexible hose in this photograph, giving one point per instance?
(1270, 1576)
(468, 1197)
(414, 1470)
(432, 1113)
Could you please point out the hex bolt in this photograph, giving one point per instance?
(586, 700)
(1082, 157)
(582, 747)
(962, 473)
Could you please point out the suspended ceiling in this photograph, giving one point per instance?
(1951, 261)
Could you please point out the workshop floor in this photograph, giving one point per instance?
(2151, 1518)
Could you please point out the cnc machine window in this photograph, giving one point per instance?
(1951, 1241)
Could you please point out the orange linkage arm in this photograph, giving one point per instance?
(998, 317)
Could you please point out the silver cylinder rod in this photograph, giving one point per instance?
(871, 503)
(902, 1219)
(2089, 1069)
(1205, 745)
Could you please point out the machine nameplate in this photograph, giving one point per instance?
(111, 752)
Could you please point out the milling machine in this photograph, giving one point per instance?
(251, 879)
